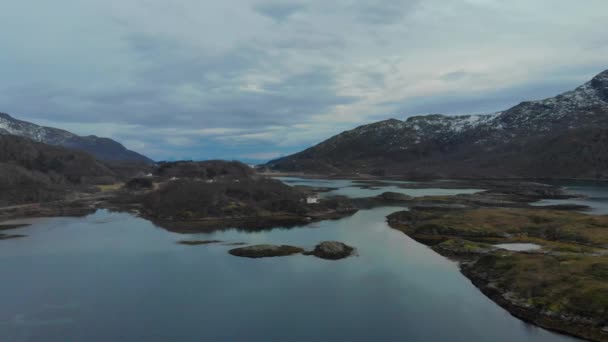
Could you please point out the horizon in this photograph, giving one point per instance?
(286, 75)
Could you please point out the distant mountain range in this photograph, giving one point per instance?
(104, 149)
(560, 137)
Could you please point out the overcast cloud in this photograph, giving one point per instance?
(257, 79)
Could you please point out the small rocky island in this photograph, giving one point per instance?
(202, 196)
(330, 250)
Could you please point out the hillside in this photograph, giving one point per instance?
(36, 172)
(559, 137)
(102, 148)
(220, 194)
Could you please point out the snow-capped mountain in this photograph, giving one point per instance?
(519, 142)
(102, 148)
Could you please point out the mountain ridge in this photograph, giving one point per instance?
(465, 146)
(104, 149)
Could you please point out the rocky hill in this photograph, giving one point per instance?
(35, 172)
(559, 137)
(102, 148)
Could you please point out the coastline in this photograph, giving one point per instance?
(574, 326)
(84, 205)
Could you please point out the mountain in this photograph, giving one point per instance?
(35, 172)
(565, 136)
(102, 148)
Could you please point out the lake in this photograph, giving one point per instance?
(595, 196)
(117, 277)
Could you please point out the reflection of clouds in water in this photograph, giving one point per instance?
(393, 288)
(363, 188)
(23, 320)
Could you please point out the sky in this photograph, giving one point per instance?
(255, 79)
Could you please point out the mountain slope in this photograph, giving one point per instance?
(558, 137)
(102, 148)
(36, 172)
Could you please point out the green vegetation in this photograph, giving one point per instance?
(460, 247)
(571, 285)
(211, 169)
(188, 199)
(563, 287)
(32, 172)
(195, 196)
(505, 225)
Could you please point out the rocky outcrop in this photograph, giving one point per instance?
(332, 250)
(394, 197)
(265, 251)
(197, 242)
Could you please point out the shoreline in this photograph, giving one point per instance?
(349, 176)
(535, 286)
(571, 325)
(84, 205)
(533, 316)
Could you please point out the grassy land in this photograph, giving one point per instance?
(110, 187)
(568, 293)
(506, 225)
(563, 287)
(574, 284)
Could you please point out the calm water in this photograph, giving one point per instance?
(354, 189)
(519, 247)
(115, 277)
(596, 196)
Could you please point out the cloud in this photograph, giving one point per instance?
(200, 79)
(384, 13)
(460, 75)
(263, 156)
(278, 11)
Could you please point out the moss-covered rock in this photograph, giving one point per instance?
(265, 251)
(332, 250)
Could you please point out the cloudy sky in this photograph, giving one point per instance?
(256, 79)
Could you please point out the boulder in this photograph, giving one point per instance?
(332, 250)
(265, 251)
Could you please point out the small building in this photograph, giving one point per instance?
(312, 199)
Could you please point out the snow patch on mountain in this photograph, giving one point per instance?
(102, 148)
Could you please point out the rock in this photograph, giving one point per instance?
(197, 242)
(332, 250)
(265, 251)
(395, 196)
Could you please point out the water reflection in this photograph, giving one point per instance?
(116, 277)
